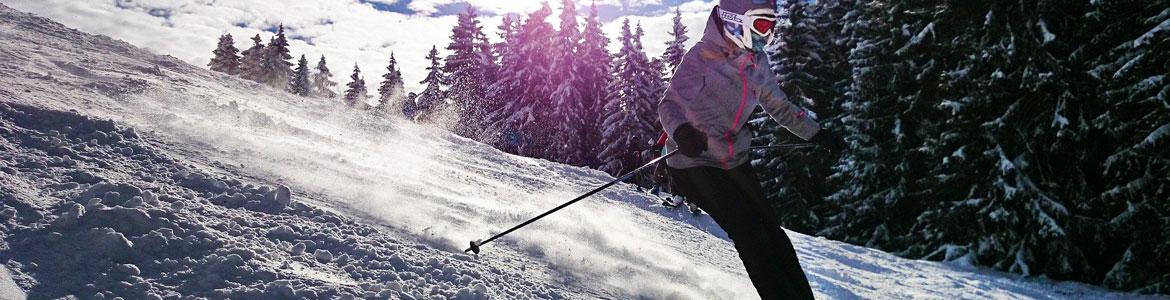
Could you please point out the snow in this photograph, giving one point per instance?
(214, 187)
(1156, 135)
(953, 106)
(9, 290)
(1058, 119)
(1133, 62)
(1145, 38)
(1048, 36)
(917, 39)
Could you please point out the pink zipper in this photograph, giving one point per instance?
(739, 111)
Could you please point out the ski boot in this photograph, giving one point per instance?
(694, 208)
(668, 202)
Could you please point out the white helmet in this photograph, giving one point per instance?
(748, 23)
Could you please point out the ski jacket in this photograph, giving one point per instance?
(715, 88)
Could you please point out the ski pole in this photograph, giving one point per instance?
(475, 246)
(781, 146)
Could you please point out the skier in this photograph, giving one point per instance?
(719, 82)
(662, 182)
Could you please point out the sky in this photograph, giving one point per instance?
(347, 32)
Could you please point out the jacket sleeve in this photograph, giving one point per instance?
(794, 118)
(684, 87)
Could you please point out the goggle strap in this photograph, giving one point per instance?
(730, 17)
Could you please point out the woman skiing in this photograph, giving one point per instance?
(719, 82)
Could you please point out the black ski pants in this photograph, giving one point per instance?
(735, 200)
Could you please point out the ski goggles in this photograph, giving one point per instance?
(752, 30)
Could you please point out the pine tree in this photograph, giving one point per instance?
(520, 125)
(1052, 206)
(432, 100)
(497, 94)
(886, 118)
(299, 84)
(390, 92)
(794, 179)
(250, 64)
(675, 47)
(651, 86)
(1023, 136)
(509, 27)
(322, 80)
(567, 108)
(469, 71)
(795, 51)
(1016, 135)
(595, 76)
(274, 63)
(626, 128)
(227, 58)
(1135, 77)
(355, 92)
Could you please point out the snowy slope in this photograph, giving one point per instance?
(184, 194)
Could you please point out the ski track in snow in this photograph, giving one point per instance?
(413, 192)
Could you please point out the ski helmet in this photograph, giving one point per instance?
(748, 23)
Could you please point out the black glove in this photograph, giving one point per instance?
(830, 140)
(691, 142)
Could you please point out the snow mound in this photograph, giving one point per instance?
(129, 174)
(122, 237)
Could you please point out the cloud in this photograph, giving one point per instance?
(658, 28)
(499, 7)
(346, 32)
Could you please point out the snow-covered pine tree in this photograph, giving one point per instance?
(1065, 198)
(650, 86)
(499, 93)
(616, 155)
(625, 129)
(994, 177)
(323, 80)
(1135, 73)
(432, 100)
(596, 77)
(226, 57)
(520, 125)
(1025, 136)
(299, 84)
(567, 113)
(469, 71)
(355, 92)
(676, 47)
(391, 93)
(276, 67)
(509, 26)
(885, 119)
(795, 179)
(832, 68)
(251, 60)
(795, 50)
(1007, 173)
